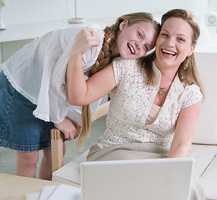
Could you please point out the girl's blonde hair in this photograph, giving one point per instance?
(104, 58)
(187, 72)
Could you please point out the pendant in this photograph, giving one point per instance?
(161, 93)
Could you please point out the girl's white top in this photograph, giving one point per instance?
(38, 70)
(131, 102)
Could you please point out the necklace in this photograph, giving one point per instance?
(162, 92)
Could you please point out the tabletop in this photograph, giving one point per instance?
(14, 187)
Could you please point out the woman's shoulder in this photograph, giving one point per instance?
(129, 66)
(125, 62)
(192, 88)
(125, 68)
(191, 95)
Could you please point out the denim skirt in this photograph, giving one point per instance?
(19, 129)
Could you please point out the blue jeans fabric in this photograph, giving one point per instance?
(19, 129)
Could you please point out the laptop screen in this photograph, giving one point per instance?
(150, 179)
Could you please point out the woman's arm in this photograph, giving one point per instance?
(184, 133)
(81, 92)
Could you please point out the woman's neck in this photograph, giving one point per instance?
(167, 75)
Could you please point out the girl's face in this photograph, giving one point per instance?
(174, 43)
(136, 40)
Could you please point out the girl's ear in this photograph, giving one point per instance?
(192, 50)
(123, 24)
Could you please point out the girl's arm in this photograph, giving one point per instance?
(81, 92)
(184, 133)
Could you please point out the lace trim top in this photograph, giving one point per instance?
(132, 100)
(152, 114)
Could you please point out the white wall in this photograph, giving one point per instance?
(31, 11)
(107, 9)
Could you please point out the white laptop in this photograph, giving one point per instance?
(149, 179)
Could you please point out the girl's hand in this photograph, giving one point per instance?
(85, 39)
(70, 129)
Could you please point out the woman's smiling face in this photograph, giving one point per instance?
(174, 43)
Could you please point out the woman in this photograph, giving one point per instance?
(33, 89)
(155, 101)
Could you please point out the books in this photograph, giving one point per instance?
(56, 193)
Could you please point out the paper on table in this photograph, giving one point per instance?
(66, 192)
(32, 196)
(46, 192)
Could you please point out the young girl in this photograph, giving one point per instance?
(33, 90)
(155, 101)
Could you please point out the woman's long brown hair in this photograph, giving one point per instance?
(187, 72)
